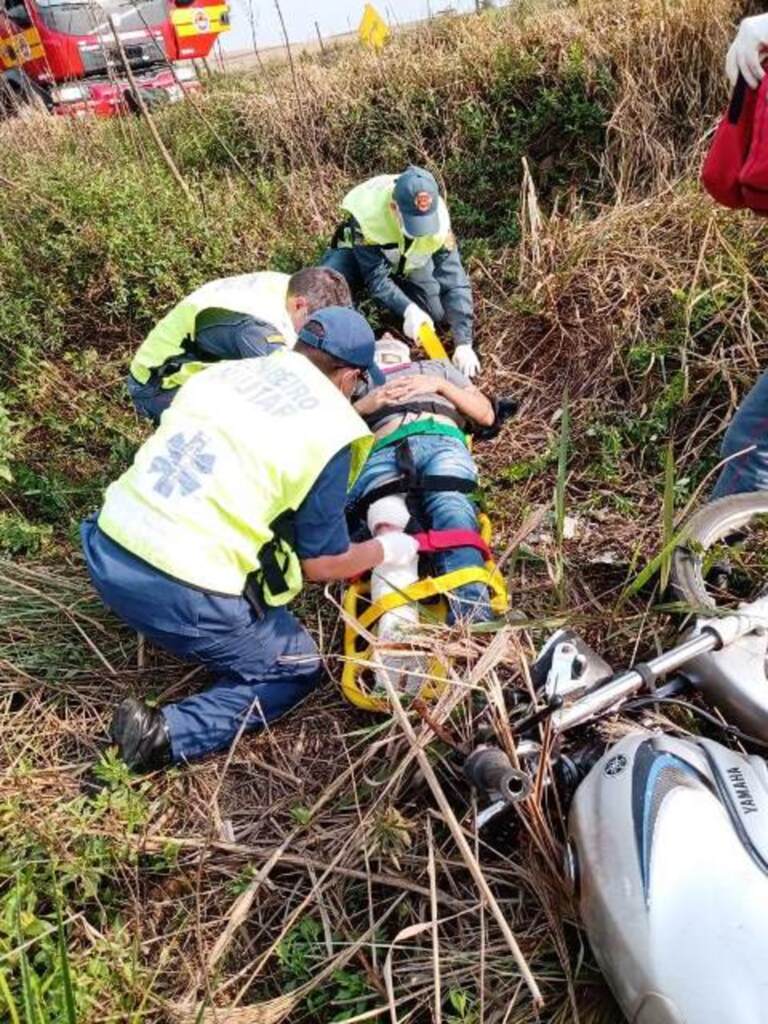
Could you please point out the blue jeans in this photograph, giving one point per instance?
(263, 664)
(433, 455)
(149, 400)
(749, 426)
(420, 285)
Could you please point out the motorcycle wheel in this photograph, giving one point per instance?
(723, 558)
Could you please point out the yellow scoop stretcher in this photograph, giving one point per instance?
(362, 616)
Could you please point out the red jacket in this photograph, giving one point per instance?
(735, 171)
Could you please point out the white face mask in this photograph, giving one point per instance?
(399, 217)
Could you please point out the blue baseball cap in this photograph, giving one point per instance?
(418, 200)
(346, 334)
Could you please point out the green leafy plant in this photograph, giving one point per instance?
(300, 954)
(463, 1008)
(18, 536)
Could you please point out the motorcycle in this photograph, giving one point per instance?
(667, 845)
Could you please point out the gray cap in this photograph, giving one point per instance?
(418, 200)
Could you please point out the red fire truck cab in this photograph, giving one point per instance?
(71, 54)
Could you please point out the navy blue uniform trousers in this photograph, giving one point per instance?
(263, 663)
(749, 426)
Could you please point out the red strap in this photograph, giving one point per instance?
(443, 540)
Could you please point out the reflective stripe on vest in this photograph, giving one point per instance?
(369, 203)
(242, 443)
(262, 295)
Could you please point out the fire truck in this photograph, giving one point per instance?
(78, 57)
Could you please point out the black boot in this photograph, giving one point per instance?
(141, 735)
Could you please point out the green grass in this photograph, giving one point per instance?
(618, 285)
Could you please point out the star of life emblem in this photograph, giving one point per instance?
(186, 461)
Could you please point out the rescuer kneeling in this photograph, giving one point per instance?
(203, 542)
(230, 318)
(395, 243)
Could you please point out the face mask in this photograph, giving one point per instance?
(399, 218)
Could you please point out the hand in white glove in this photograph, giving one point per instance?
(465, 359)
(745, 52)
(398, 548)
(413, 318)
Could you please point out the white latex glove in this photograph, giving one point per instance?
(745, 52)
(465, 360)
(399, 548)
(413, 318)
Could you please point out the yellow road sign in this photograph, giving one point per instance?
(373, 30)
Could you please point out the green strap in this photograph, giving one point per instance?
(420, 427)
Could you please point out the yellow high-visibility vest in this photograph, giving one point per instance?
(262, 295)
(242, 444)
(370, 205)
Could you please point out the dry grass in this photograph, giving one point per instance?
(322, 817)
(189, 890)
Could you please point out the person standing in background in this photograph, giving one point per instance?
(745, 444)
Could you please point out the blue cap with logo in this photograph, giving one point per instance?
(346, 334)
(418, 200)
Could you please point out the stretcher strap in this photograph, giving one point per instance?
(420, 428)
(445, 540)
(430, 587)
(736, 105)
(417, 406)
(403, 485)
(353, 668)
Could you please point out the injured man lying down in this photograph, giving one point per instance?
(421, 473)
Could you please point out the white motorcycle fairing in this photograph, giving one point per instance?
(669, 846)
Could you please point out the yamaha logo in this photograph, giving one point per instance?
(742, 791)
(423, 202)
(615, 765)
(202, 21)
